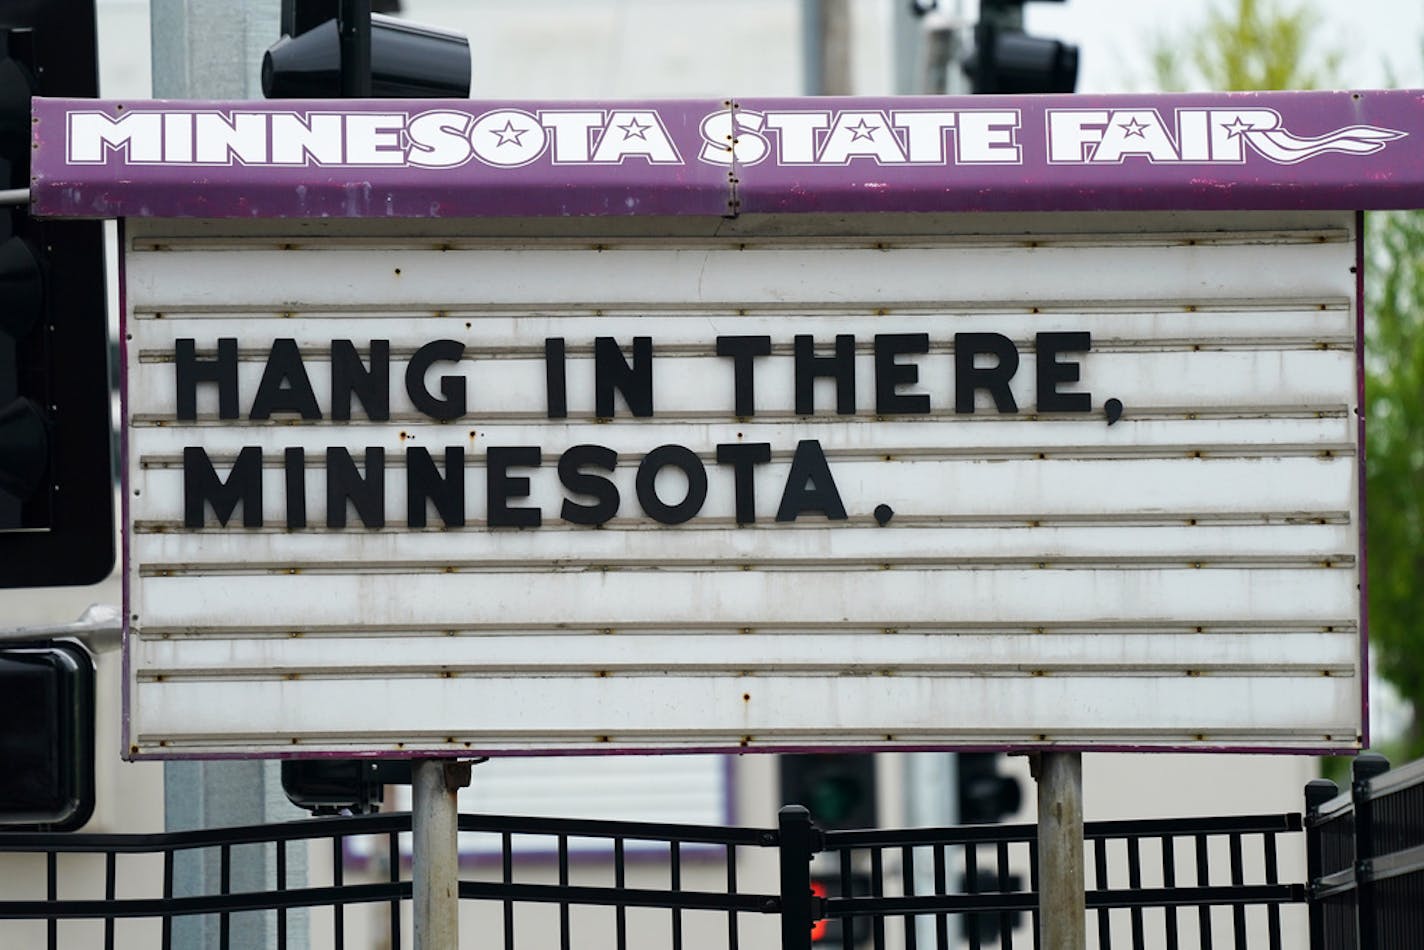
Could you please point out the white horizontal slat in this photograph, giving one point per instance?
(915, 488)
(704, 385)
(219, 659)
(700, 711)
(988, 436)
(426, 278)
(609, 599)
(376, 552)
(1112, 328)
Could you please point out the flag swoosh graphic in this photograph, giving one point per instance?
(1284, 148)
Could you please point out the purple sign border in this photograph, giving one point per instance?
(1359, 150)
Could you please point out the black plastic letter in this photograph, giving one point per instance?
(201, 486)
(502, 486)
(968, 378)
(451, 387)
(1051, 372)
(349, 376)
(840, 367)
(285, 386)
(605, 493)
(889, 374)
(294, 460)
(679, 456)
(809, 486)
(423, 481)
(744, 457)
(555, 378)
(744, 350)
(612, 372)
(343, 483)
(189, 371)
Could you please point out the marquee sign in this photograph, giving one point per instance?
(666, 475)
(377, 159)
(516, 137)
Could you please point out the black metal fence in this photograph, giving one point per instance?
(1151, 883)
(56, 911)
(1179, 883)
(1365, 858)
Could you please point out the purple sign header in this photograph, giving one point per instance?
(460, 158)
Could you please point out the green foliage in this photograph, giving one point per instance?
(1255, 44)
(1394, 451)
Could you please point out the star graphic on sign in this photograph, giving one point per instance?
(1133, 127)
(862, 130)
(1235, 129)
(509, 134)
(634, 131)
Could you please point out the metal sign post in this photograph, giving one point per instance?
(435, 879)
(1062, 905)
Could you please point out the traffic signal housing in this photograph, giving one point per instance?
(333, 786)
(56, 473)
(1008, 61)
(838, 789)
(985, 796)
(46, 736)
(401, 59)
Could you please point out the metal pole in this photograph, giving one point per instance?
(354, 24)
(826, 47)
(212, 49)
(811, 54)
(435, 878)
(836, 47)
(1062, 908)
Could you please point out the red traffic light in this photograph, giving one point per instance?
(819, 928)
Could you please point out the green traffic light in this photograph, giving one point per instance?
(837, 788)
(834, 798)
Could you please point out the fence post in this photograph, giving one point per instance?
(1364, 768)
(797, 848)
(1318, 791)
